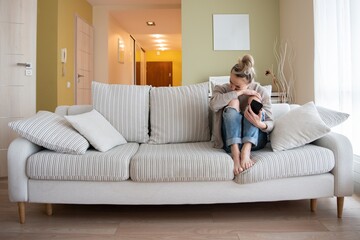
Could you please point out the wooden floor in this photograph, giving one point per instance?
(250, 221)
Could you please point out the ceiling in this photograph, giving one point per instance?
(132, 16)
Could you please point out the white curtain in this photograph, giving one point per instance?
(337, 62)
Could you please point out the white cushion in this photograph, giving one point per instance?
(126, 107)
(330, 117)
(97, 130)
(179, 114)
(51, 131)
(298, 127)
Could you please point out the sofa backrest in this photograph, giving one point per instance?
(177, 114)
(126, 107)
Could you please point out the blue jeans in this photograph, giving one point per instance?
(236, 129)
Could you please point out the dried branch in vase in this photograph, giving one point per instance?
(284, 84)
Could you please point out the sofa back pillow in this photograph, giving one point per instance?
(179, 114)
(126, 107)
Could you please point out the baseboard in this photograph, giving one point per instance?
(357, 174)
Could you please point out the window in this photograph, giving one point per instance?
(337, 62)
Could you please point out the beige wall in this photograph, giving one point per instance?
(199, 60)
(106, 34)
(297, 27)
(46, 51)
(120, 73)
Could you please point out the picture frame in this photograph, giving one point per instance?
(231, 32)
(121, 50)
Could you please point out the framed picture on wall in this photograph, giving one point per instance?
(121, 50)
(231, 32)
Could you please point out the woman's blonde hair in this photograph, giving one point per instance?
(245, 68)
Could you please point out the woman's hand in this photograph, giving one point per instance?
(255, 119)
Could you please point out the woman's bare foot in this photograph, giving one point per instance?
(246, 161)
(235, 153)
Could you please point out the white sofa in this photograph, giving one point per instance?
(169, 159)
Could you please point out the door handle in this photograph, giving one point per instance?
(79, 76)
(27, 65)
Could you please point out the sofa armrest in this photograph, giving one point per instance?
(343, 170)
(18, 152)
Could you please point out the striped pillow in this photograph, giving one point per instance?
(179, 114)
(330, 117)
(126, 107)
(51, 131)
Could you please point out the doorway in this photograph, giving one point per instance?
(159, 74)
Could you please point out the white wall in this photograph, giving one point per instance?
(297, 28)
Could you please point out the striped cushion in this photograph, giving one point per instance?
(179, 114)
(331, 118)
(112, 165)
(126, 107)
(305, 160)
(181, 162)
(51, 131)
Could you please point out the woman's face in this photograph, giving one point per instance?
(238, 83)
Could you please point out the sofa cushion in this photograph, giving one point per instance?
(126, 107)
(179, 114)
(305, 160)
(297, 127)
(181, 162)
(51, 131)
(112, 165)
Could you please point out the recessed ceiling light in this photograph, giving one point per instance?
(150, 23)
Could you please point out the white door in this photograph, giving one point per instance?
(84, 62)
(17, 68)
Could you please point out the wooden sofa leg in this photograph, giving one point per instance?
(313, 205)
(49, 210)
(21, 209)
(340, 206)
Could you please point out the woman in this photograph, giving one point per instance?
(236, 127)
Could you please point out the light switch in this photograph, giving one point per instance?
(68, 84)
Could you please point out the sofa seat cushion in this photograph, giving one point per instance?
(181, 162)
(306, 160)
(112, 165)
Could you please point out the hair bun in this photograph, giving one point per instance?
(248, 61)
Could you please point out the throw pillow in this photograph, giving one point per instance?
(51, 131)
(330, 117)
(298, 127)
(97, 130)
(179, 114)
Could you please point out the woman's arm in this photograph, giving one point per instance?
(221, 97)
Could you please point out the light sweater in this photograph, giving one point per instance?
(223, 94)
